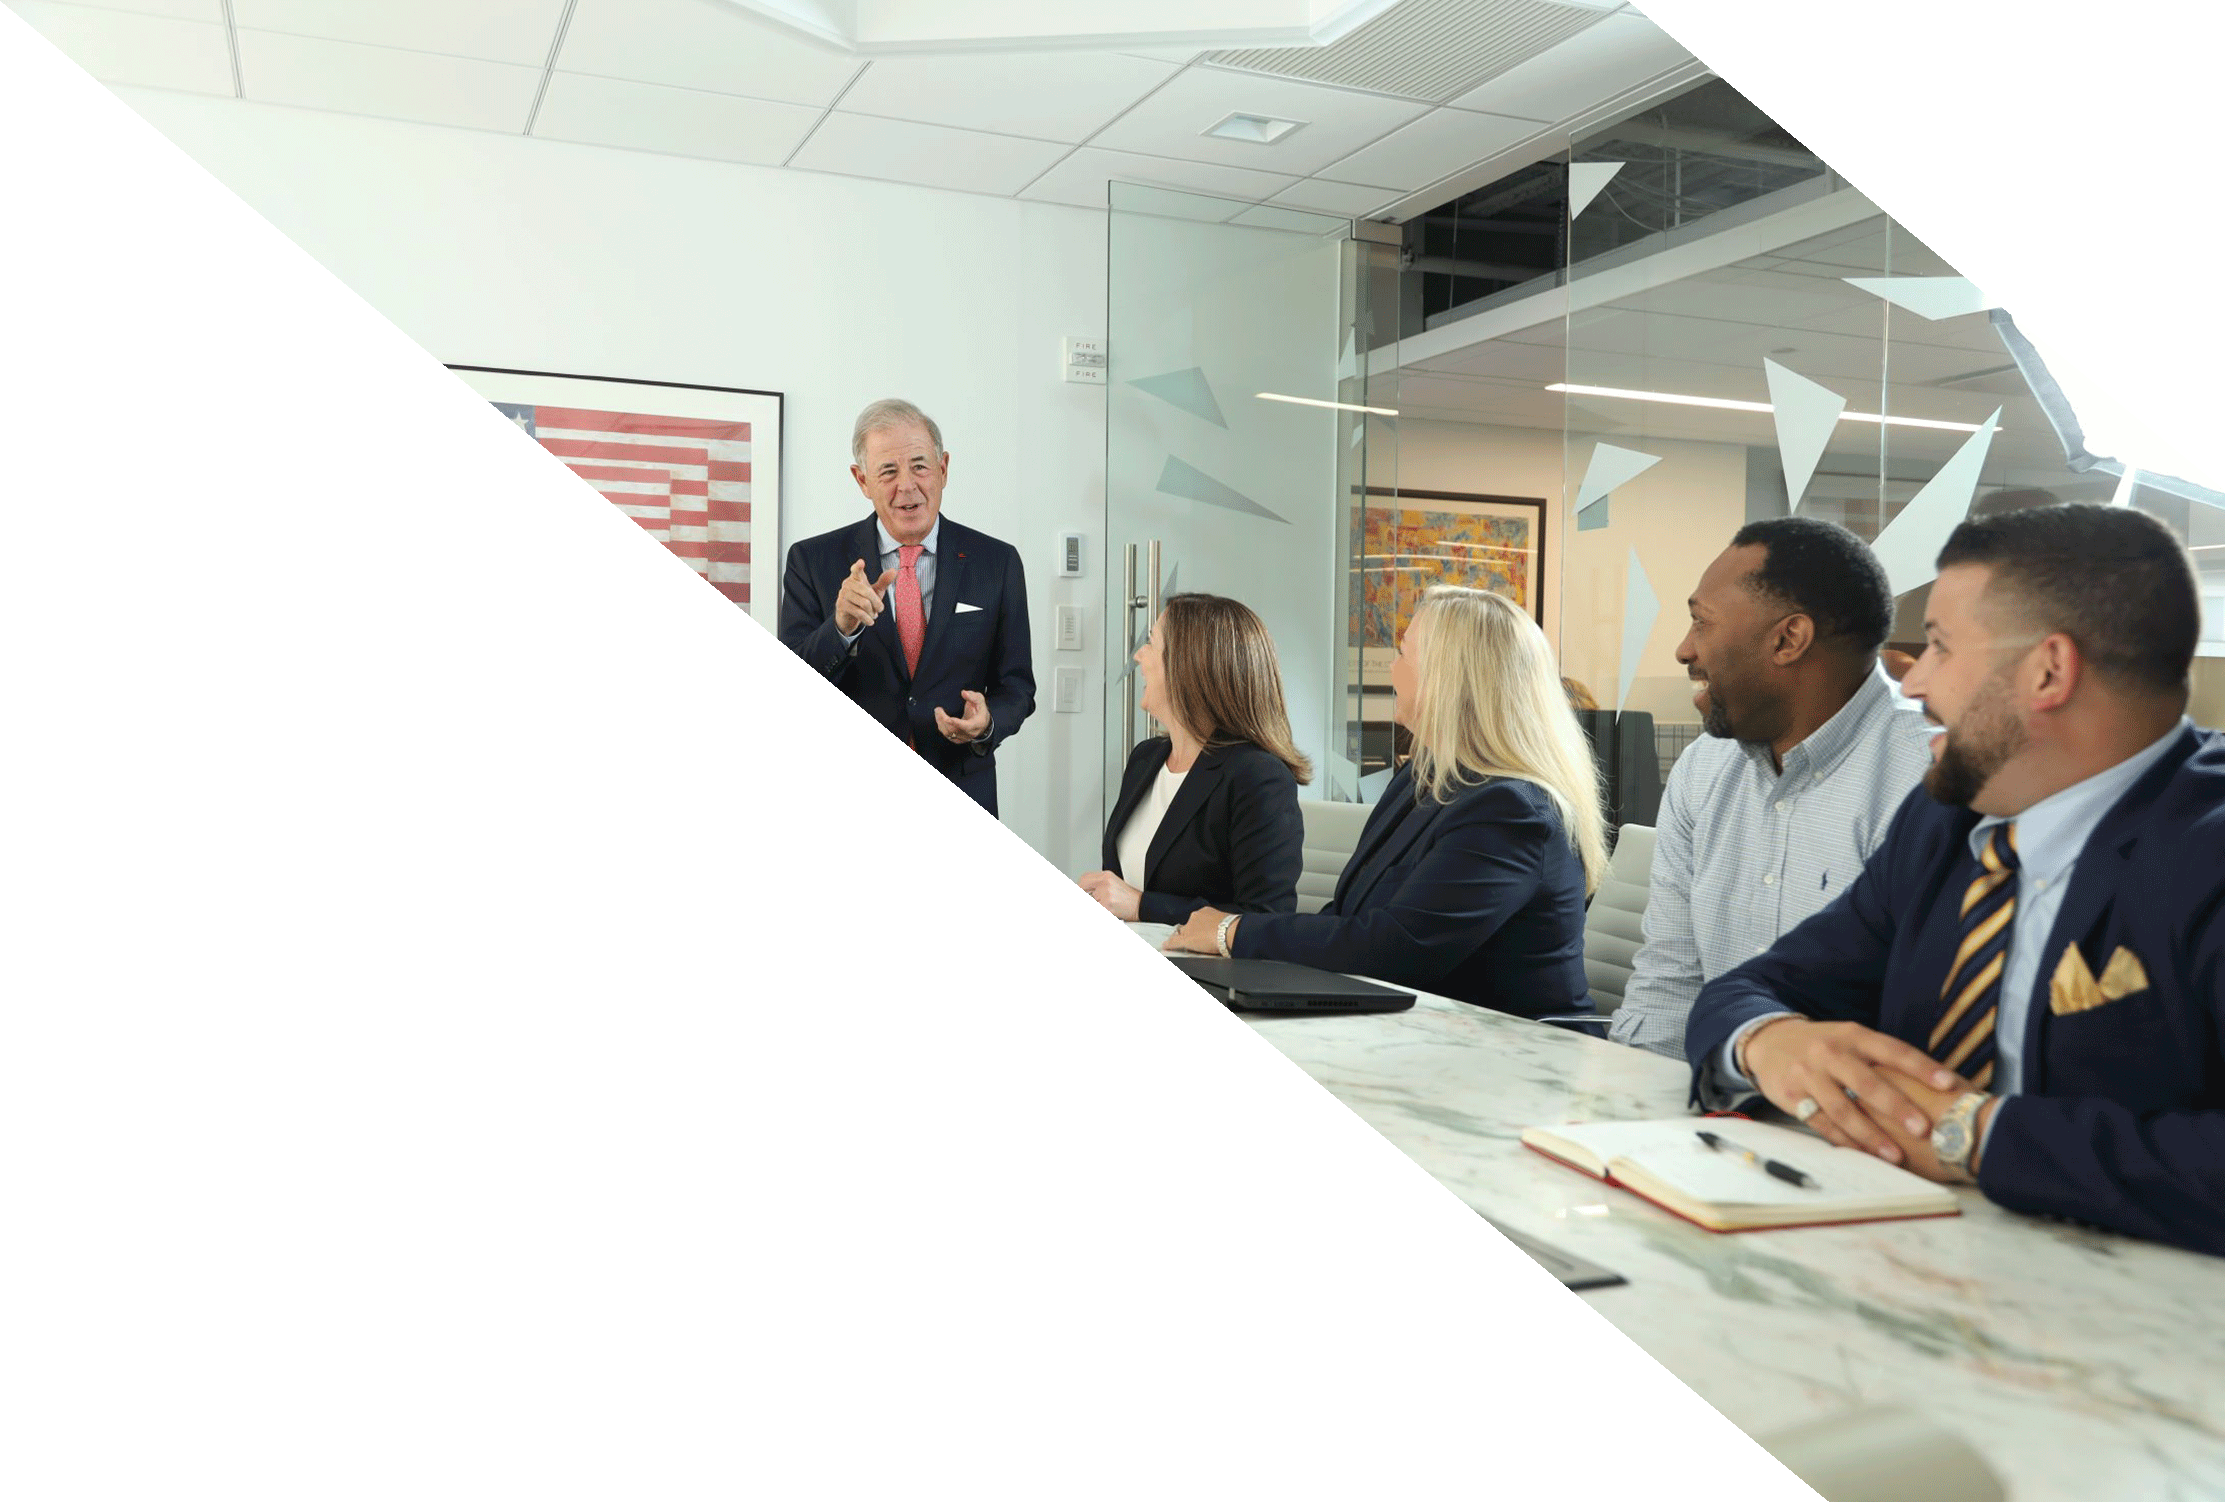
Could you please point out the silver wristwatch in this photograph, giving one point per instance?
(1955, 1137)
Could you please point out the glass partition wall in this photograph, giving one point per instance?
(1231, 450)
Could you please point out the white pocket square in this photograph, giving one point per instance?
(963, 607)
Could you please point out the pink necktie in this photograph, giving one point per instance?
(911, 615)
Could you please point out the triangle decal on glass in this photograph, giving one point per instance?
(1805, 414)
(1641, 607)
(1609, 469)
(1585, 179)
(1931, 297)
(1187, 390)
(1909, 546)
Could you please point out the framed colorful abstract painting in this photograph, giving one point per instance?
(697, 466)
(1412, 539)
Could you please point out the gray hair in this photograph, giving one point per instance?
(891, 412)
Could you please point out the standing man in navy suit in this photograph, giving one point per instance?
(2025, 988)
(922, 622)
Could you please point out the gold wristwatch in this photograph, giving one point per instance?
(1955, 1137)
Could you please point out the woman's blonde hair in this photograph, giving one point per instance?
(1222, 680)
(1489, 703)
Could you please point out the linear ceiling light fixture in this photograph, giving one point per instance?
(1308, 401)
(1257, 130)
(1679, 399)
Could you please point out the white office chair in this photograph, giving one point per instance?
(1332, 830)
(1611, 931)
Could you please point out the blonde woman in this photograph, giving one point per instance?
(1470, 877)
(1207, 813)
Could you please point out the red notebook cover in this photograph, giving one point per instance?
(1806, 1225)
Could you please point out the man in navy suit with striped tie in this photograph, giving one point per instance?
(2025, 988)
(922, 622)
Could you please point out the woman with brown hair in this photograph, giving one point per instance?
(1470, 877)
(1208, 812)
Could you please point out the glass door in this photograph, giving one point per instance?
(1234, 464)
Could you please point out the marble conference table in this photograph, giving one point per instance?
(2080, 1364)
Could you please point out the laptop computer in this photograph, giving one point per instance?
(1279, 986)
(1572, 1270)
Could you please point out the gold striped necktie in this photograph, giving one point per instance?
(1969, 1001)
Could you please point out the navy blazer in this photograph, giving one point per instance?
(2121, 1122)
(1481, 899)
(1232, 838)
(985, 650)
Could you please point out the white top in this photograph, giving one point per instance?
(1143, 824)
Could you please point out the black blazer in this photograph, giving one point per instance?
(985, 649)
(1480, 899)
(1231, 839)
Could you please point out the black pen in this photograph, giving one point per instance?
(1785, 1171)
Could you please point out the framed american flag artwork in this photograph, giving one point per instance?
(698, 467)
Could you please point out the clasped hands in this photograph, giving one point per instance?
(1872, 1092)
(859, 604)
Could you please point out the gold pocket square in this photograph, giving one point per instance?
(2073, 988)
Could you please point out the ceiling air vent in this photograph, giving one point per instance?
(1425, 49)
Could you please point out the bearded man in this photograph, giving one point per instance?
(1808, 753)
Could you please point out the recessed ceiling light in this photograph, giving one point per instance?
(1257, 130)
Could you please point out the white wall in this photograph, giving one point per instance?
(497, 250)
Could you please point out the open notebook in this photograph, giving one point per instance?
(1666, 1162)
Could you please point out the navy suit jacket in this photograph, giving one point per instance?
(2121, 1122)
(1232, 838)
(985, 650)
(1480, 899)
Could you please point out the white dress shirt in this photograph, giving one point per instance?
(1743, 851)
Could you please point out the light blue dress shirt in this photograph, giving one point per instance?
(925, 568)
(1745, 848)
(2050, 836)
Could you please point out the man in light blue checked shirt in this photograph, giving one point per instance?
(1808, 752)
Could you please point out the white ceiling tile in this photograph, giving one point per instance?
(679, 122)
(347, 76)
(932, 156)
(1172, 122)
(502, 31)
(1081, 179)
(1437, 145)
(702, 44)
(116, 46)
(1054, 96)
(211, 11)
(1326, 197)
(1597, 63)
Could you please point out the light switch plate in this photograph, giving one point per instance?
(1066, 696)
